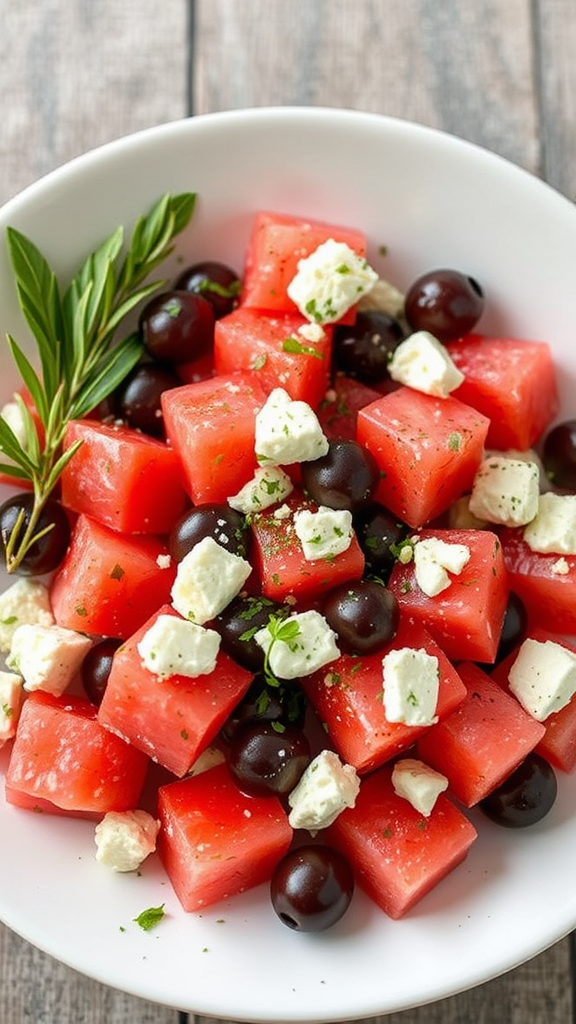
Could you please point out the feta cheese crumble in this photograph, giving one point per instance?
(434, 558)
(423, 363)
(268, 486)
(11, 698)
(411, 683)
(543, 677)
(311, 644)
(47, 657)
(505, 491)
(125, 838)
(24, 602)
(418, 783)
(553, 529)
(324, 533)
(330, 281)
(383, 297)
(325, 789)
(207, 579)
(288, 431)
(175, 646)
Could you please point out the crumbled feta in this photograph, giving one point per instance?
(174, 646)
(164, 561)
(311, 645)
(24, 602)
(209, 758)
(288, 431)
(560, 567)
(505, 491)
(47, 657)
(330, 281)
(125, 838)
(268, 486)
(421, 362)
(12, 414)
(11, 696)
(207, 579)
(325, 789)
(543, 677)
(411, 682)
(312, 332)
(434, 558)
(553, 529)
(324, 533)
(383, 297)
(283, 512)
(420, 785)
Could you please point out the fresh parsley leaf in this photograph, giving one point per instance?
(150, 918)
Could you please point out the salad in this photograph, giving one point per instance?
(301, 550)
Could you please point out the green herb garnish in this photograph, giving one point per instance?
(281, 631)
(81, 363)
(292, 344)
(150, 918)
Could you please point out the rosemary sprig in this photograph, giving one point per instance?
(80, 361)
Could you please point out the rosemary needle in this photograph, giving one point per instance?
(80, 360)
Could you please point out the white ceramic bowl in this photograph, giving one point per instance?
(432, 200)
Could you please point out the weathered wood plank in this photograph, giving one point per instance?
(75, 74)
(535, 992)
(35, 988)
(466, 68)
(555, 38)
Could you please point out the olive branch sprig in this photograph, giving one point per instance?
(80, 361)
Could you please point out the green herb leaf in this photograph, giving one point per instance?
(150, 917)
(292, 344)
(81, 362)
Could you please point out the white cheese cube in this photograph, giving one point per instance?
(420, 785)
(268, 486)
(434, 558)
(324, 533)
(421, 362)
(311, 645)
(288, 431)
(325, 789)
(125, 838)
(411, 683)
(543, 677)
(47, 657)
(11, 413)
(505, 491)
(24, 602)
(553, 529)
(384, 297)
(209, 758)
(11, 697)
(207, 579)
(175, 646)
(330, 281)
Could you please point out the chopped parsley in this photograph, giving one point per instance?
(150, 917)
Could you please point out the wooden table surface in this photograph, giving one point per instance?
(77, 73)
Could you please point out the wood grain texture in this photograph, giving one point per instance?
(75, 74)
(468, 69)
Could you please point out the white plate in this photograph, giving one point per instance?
(432, 200)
